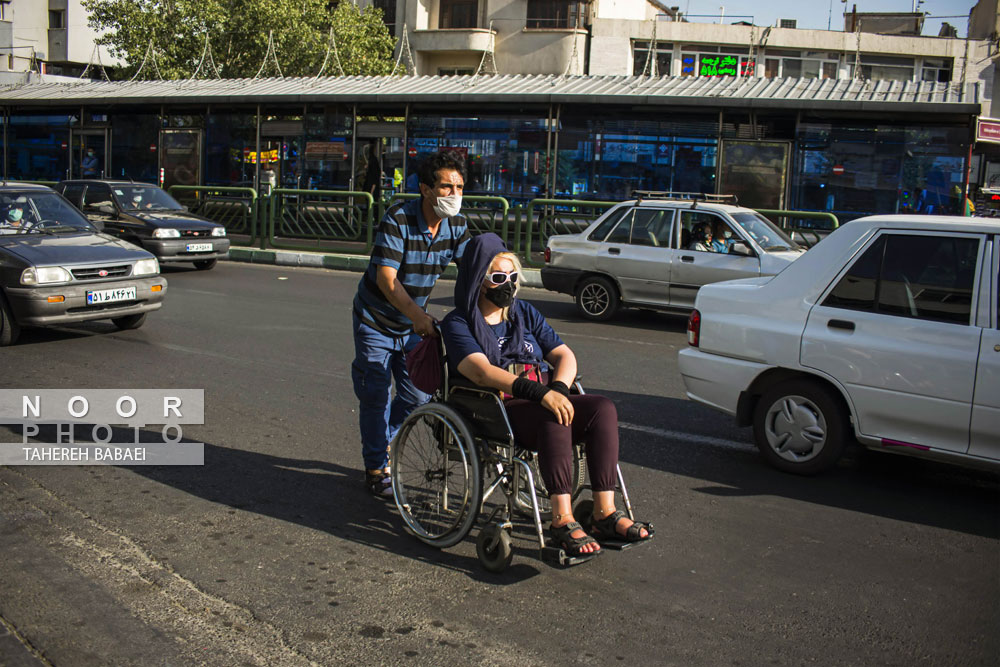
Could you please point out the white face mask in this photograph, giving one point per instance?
(727, 234)
(448, 206)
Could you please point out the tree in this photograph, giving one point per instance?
(238, 32)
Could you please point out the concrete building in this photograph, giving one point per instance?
(984, 24)
(645, 37)
(45, 38)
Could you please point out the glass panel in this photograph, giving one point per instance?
(602, 229)
(621, 233)
(810, 69)
(134, 139)
(754, 171)
(97, 195)
(928, 277)
(181, 157)
(230, 147)
(856, 290)
(554, 14)
(771, 68)
(829, 70)
(328, 149)
(38, 148)
(458, 14)
(651, 227)
(791, 69)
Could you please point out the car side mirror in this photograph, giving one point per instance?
(741, 248)
(98, 224)
(107, 209)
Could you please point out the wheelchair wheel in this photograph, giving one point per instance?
(523, 501)
(494, 557)
(436, 479)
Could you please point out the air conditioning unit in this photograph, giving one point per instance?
(787, 23)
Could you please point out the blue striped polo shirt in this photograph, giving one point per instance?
(404, 243)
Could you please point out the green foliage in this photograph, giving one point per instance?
(238, 33)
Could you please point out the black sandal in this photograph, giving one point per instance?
(379, 484)
(561, 535)
(606, 529)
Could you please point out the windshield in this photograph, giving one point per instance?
(38, 212)
(144, 198)
(767, 235)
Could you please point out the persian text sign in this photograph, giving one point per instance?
(988, 130)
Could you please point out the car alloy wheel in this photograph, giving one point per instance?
(597, 298)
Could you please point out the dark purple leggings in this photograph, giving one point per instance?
(595, 423)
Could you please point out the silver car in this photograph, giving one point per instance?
(657, 253)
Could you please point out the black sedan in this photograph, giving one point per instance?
(57, 268)
(150, 218)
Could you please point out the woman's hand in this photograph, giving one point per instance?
(560, 406)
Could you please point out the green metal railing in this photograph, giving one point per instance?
(321, 215)
(810, 236)
(558, 216)
(233, 207)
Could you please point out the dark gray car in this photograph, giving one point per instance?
(57, 268)
(150, 218)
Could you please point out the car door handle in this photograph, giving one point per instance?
(687, 258)
(614, 251)
(841, 324)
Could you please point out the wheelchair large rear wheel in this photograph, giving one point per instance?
(436, 479)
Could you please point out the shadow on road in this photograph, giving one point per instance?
(320, 495)
(875, 483)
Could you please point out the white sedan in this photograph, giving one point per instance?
(887, 333)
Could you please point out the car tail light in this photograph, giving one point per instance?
(694, 328)
(548, 254)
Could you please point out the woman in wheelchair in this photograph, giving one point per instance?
(492, 338)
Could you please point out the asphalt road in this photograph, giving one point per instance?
(272, 553)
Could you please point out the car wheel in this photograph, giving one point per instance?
(597, 298)
(9, 328)
(800, 427)
(129, 321)
(205, 264)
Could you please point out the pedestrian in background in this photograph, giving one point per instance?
(416, 241)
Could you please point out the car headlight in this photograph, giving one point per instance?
(43, 275)
(218, 231)
(146, 267)
(165, 233)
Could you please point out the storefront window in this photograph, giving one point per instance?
(854, 170)
(608, 159)
(38, 147)
(505, 155)
(134, 145)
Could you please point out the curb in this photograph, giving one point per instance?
(338, 262)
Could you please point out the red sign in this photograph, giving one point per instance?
(63, 145)
(988, 130)
(412, 152)
(838, 169)
(152, 148)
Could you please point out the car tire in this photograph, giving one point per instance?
(597, 298)
(801, 427)
(129, 321)
(9, 328)
(205, 264)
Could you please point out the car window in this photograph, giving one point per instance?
(601, 231)
(42, 210)
(769, 236)
(652, 227)
(97, 195)
(622, 233)
(924, 277)
(697, 229)
(144, 197)
(74, 193)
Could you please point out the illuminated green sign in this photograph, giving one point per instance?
(718, 65)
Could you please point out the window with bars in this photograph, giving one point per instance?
(555, 14)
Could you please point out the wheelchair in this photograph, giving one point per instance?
(454, 453)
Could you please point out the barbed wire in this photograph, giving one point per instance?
(272, 54)
(331, 48)
(104, 72)
(149, 55)
(206, 52)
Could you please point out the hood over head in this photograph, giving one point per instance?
(476, 260)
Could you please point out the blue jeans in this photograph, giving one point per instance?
(378, 359)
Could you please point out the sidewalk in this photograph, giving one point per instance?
(339, 262)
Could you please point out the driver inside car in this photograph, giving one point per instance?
(11, 221)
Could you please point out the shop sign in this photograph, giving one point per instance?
(718, 66)
(326, 150)
(988, 129)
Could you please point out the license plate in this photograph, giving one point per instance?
(199, 247)
(107, 295)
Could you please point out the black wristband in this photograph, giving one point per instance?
(529, 389)
(560, 387)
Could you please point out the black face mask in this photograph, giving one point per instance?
(501, 296)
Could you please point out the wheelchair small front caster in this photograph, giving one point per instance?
(494, 548)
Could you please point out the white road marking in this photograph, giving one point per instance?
(573, 334)
(689, 437)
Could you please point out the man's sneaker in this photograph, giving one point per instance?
(379, 484)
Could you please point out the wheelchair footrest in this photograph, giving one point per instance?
(622, 545)
(558, 556)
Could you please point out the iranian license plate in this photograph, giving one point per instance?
(108, 295)
(199, 247)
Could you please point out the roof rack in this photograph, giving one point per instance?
(693, 197)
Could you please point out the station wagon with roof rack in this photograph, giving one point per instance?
(56, 267)
(657, 250)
